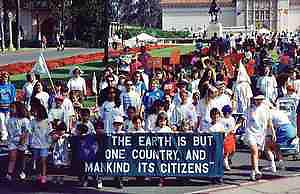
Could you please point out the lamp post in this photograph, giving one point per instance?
(106, 31)
(62, 6)
(10, 19)
(2, 31)
(18, 25)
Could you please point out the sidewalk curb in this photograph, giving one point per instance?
(248, 183)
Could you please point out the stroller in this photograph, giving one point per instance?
(288, 146)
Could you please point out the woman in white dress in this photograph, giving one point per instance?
(76, 85)
(267, 84)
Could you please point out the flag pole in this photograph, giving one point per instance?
(48, 73)
(95, 88)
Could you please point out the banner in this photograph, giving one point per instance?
(154, 155)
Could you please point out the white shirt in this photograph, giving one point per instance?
(40, 134)
(56, 113)
(27, 91)
(150, 122)
(44, 98)
(223, 100)
(203, 111)
(164, 129)
(15, 128)
(68, 111)
(218, 127)
(268, 86)
(107, 112)
(228, 123)
(195, 84)
(257, 120)
(77, 84)
(183, 112)
(279, 118)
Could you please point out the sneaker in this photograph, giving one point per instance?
(271, 168)
(9, 177)
(22, 175)
(255, 175)
(226, 165)
(99, 184)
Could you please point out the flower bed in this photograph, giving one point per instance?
(18, 68)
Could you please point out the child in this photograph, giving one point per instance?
(131, 112)
(18, 127)
(84, 130)
(118, 123)
(162, 126)
(216, 126)
(69, 112)
(60, 149)
(84, 119)
(230, 128)
(186, 126)
(137, 122)
(40, 141)
(57, 113)
(162, 123)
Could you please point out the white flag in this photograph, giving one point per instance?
(94, 84)
(40, 66)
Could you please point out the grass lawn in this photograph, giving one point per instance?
(166, 52)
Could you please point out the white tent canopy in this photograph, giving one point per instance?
(141, 38)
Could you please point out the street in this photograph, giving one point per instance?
(50, 53)
(238, 176)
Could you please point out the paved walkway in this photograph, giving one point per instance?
(50, 53)
(289, 185)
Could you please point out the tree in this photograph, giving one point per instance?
(87, 20)
(128, 12)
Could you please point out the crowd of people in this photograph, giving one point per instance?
(201, 97)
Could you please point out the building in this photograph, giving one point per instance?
(276, 15)
(36, 19)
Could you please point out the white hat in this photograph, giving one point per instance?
(259, 97)
(73, 69)
(118, 119)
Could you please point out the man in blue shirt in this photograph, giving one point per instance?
(7, 97)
